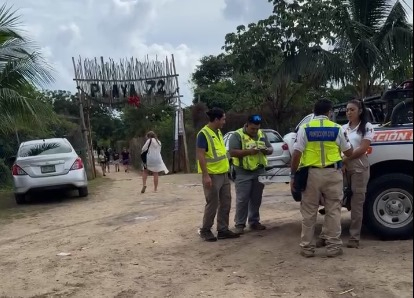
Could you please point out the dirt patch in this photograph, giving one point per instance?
(126, 244)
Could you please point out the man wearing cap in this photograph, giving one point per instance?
(213, 164)
(317, 151)
(248, 147)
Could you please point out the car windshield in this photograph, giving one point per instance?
(273, 137)
(44, 148)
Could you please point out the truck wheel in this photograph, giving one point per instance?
(388, 210)
(20, 198)
(83, 192)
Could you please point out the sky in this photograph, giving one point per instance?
(189, 29)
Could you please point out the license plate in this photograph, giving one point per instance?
(48, 169)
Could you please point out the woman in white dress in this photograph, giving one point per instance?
(152, 160)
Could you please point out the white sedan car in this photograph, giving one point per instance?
(290, 138)
(280, 156)
(47, 164)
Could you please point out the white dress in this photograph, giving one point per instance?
(154, 159)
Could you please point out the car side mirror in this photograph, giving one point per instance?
(12, 159)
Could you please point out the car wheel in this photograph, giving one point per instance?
(388, 210)
(83, 192)
(20, 198)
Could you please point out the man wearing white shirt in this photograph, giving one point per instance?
(317, 150)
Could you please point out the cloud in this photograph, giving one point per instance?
(189, 29)
(247, 10)
(118, 29)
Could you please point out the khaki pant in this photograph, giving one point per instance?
(218, 201)
(327, 182)
(356, 177)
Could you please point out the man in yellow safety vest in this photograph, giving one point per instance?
(249, 146)
(317, 160)
(213, 164)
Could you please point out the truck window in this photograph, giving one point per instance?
(403, 113)
(405, 116)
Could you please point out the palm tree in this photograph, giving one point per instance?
(375, 38)
(22, 70)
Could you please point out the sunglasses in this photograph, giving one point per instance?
(255, 119)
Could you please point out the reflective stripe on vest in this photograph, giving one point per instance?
(321, 149)
(251, 162)
(216, 157)
(211, 146)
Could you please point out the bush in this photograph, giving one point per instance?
(5, 175)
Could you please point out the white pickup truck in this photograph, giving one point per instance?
(388, 210)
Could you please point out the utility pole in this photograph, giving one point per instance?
(85, 152)
(88, 120)
(180, 112)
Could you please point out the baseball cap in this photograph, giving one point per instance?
(255, 119)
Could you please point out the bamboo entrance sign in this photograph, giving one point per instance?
(116, 83)
(113, 82)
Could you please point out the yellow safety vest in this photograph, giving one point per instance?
(216, 156)
(321, 149)
(251, 162)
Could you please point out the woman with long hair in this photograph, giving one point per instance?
(152, 160)
(356, 167)
(102, 160)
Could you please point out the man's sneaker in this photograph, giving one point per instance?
(207, 236)
(334, 253)
(257, 226)
(227, 234)
(353, 243)
(239, 230)
(320, 242)
(307, 253)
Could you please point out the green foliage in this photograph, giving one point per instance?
(5, 175)
(371, 37)
(282, 64)
(138, 121)
(21, 69)
(213, 69)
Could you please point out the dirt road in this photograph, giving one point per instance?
(125, 244)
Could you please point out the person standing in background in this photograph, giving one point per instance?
(125, 159)
(115, 157)
(108, 159)
(102, 160)
(153, 160)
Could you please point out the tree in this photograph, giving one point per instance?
(213, 82)
(372, 37)
(282, 57)
(279, 64)
(22, 69)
